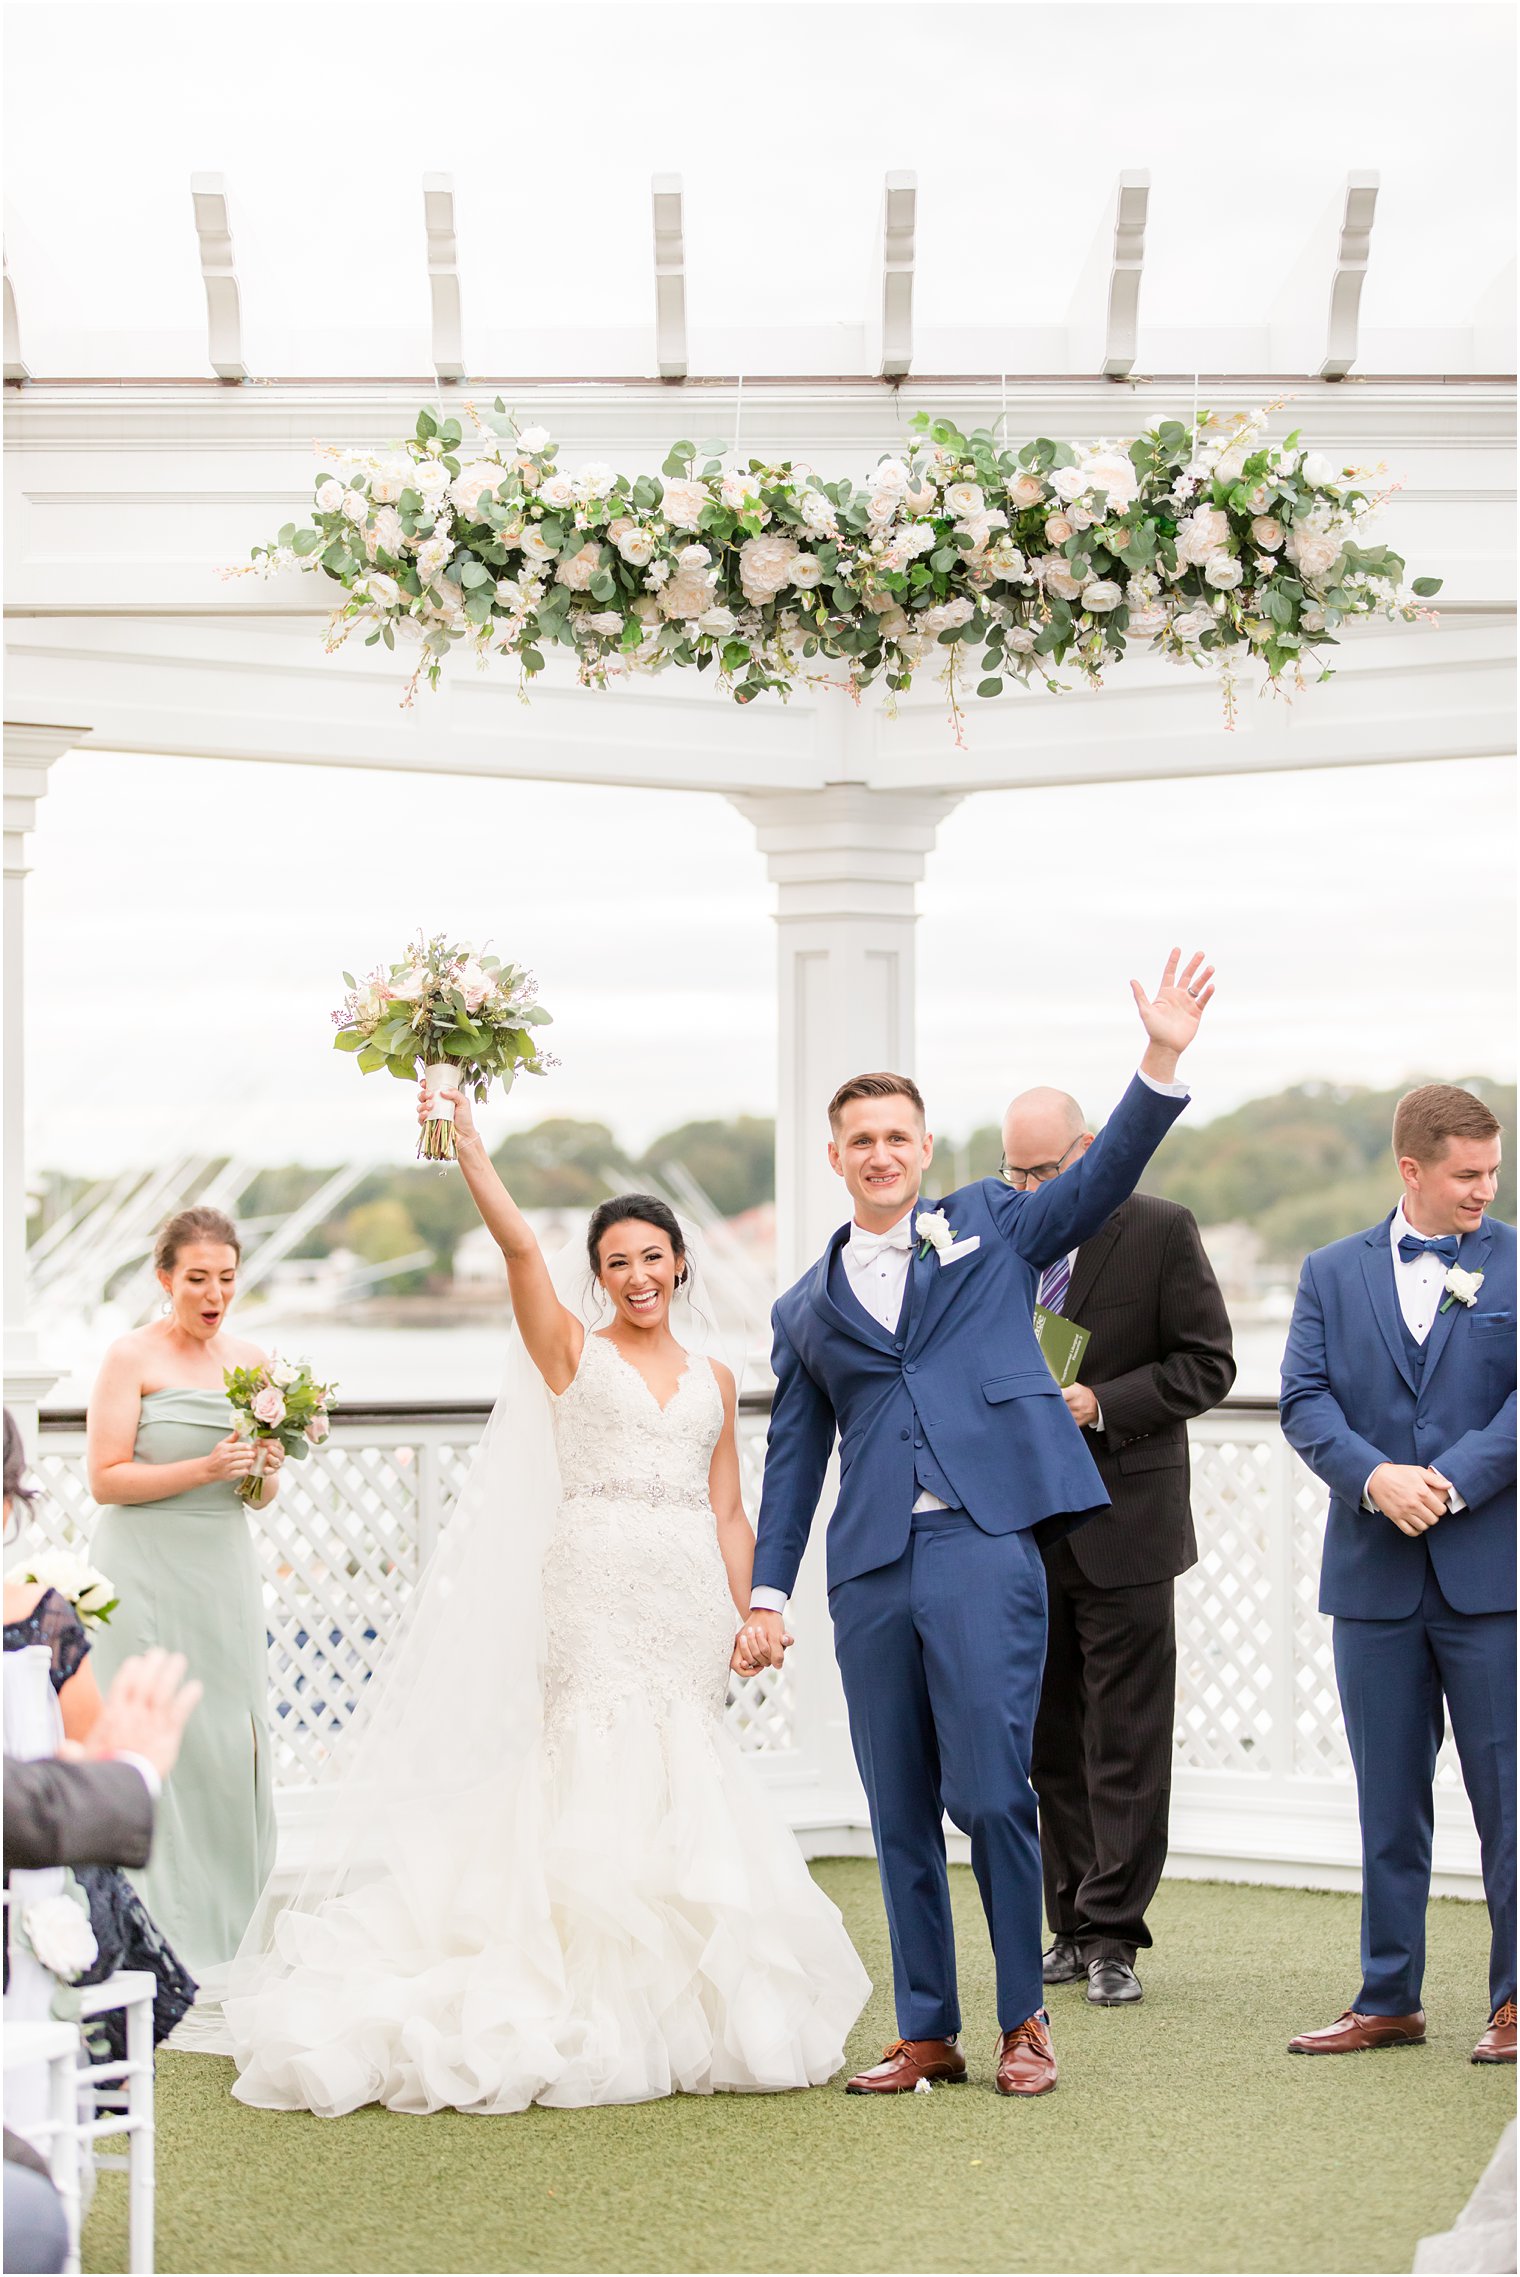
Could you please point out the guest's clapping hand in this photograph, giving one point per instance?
(1411, 1494)
(761, 1643)
(144, 1713)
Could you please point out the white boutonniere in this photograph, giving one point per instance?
(934, 1232)
(1461, 1288)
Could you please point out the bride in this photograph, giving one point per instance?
(543, 1873)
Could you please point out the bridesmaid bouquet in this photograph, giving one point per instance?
(91, 1592)
(278, 1401)
(457, 1017)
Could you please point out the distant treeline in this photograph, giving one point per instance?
(1300, 1167)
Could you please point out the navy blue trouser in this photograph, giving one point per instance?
(1392, 1676)
(941, 1655)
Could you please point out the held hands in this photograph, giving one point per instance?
(1172, 1015)
(761, 1643)
(464, 1119)
(1412, 1495)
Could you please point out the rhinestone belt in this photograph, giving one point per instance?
(634, 1490)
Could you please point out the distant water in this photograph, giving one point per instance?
(465, 1362)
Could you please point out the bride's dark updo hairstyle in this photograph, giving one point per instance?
(646, 1209)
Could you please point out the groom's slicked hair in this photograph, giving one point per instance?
(1424, 1120)
(875, 1087)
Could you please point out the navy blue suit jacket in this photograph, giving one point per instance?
(1351, 1400)
(962, 1368)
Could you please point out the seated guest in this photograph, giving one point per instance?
(1398, 1390)
(1160, 1353)
(126, 1936)
(94, 1809)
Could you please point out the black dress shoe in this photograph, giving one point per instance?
(1112, 1984)
(1063, 1963)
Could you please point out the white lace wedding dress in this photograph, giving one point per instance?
(625, 1916)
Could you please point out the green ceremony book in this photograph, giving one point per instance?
(1062, 1342)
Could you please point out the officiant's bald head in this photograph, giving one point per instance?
(1044, 1132)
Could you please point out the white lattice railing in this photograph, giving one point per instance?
(1261, 1774)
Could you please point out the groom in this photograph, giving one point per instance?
(954, 1445)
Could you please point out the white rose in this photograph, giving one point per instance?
(1192, 623)
(1007, 560)
(355, 506)
(59, 1933)
(1202, 533)
(1317, 471)
(1026, 490)
(694, 557)
(1312, 551)
(557, 491)
(1231, 464)
(740, 493)
(471, 484)
(330, 495)
(536, 547)
(1020, 640)
(934, 1227)
(430, 477)
(963, 498)
(1058, 529)
(382, 590)
(1068, 482)
(882, 507)
(1464, 1286)
(1223, 572)
(682, 504)
(818, 513)
(387, 536)
(1311, 620)
(607, 622)
(765, 565)
(389, 479)
(1055, 574)
(1267, 534)
(893, 624)
(431, 556)
(283, 1372)
(508, 591)
(595, 480)
(1101, 595)
(581, 567)
(1112, 473)
(805, 572)
(719, 621)
(945, 615)
(1145, 621)
(1257, 496)
(891, 474)
(533, 440)
(687, 594)
(636, 546)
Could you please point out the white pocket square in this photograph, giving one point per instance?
(960, 1249)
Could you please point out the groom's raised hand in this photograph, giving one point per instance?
(1172, 1015)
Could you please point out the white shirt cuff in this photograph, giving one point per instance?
(149, 1771)
(1097, 1421)
(1167, 1090)
(767, 1600)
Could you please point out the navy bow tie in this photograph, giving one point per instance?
(1444, 1245)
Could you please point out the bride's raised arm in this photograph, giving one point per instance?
(552, 1334)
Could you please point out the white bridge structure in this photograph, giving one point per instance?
(133, 480)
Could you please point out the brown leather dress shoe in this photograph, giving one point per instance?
(1354, 2034)
(905, 2063)
(1497, 2045)
(1026, 2063)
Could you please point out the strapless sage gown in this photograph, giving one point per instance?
(188, 1579)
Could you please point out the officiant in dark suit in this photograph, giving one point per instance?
(1160, 1353)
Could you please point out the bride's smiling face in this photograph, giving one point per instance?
(639, 1271)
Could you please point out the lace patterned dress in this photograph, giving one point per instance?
(646, 1925)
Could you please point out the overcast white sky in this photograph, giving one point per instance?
(188, 922)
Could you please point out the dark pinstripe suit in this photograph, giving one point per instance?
(1160, 1353)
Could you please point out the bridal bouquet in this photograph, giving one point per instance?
(1206, 540)
(91, 1593)
(279, 1401)
(458, 1017)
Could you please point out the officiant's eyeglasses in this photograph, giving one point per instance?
(1012, 1174)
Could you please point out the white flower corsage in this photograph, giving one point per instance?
(934, 1232)
(58, 1930)
(1461, 1288)
(87, 1589)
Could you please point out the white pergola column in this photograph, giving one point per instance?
(29, 753)
(845, 861)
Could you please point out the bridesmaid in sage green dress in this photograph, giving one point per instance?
(175, 1542)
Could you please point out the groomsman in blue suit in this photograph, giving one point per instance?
(912, 1339)
(1398, 1390)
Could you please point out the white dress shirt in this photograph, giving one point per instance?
(1420, 1283)
(876, 1267)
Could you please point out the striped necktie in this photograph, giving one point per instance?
(1054, 1283)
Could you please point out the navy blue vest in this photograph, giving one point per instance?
(927, 1475)
(1416, 1351)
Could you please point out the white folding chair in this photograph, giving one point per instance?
(57, 2136)
(117, 2099)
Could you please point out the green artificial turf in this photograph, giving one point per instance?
(1181, 2138)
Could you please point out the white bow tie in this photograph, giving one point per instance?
(867, 1247)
